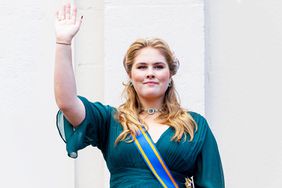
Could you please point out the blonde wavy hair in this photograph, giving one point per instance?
(172, 113)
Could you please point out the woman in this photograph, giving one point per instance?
(182, 138)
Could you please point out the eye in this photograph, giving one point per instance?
(159, 67)
(141, 67)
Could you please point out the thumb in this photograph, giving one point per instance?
(78, 23)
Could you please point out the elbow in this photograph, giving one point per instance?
(63, 105)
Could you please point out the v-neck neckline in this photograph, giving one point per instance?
(162, 135)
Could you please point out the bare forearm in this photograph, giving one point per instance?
(64, 80)
(66, 26)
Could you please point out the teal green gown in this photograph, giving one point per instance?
(199, 158)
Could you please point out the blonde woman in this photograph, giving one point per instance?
(183, 138)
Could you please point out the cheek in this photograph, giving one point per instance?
(165, 76)
(136, 76)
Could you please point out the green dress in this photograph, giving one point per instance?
(198, 158)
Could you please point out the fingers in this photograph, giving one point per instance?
(74, 13)
(67, 11)
(74, 16)
(78, 23)
(60, 14)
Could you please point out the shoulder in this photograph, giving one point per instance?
(201, 123)
(198, 118)
(97, 108)
(95, 104)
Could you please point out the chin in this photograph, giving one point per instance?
(151, 95)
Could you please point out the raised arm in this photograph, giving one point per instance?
(67, 25)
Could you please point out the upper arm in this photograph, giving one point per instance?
(91, 127)
(75, 113)
(209, 172)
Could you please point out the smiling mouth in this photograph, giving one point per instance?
(151, 83)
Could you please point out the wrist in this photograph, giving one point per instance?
(63, 42)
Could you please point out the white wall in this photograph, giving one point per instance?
(180, 23)
(243, 89)
(239, 90)
(32, 153)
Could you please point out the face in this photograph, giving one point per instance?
(150, 74)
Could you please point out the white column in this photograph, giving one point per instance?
(89, 50)
(243, 89)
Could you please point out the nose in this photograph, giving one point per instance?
(150, 74)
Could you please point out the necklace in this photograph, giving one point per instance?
(151, 111)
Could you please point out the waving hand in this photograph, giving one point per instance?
(67, 24)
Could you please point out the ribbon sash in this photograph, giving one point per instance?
(153, 159)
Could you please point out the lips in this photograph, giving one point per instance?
(150, 83)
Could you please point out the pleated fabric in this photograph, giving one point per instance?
(198, 158)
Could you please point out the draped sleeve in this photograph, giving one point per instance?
(208, 167)
(91, 131)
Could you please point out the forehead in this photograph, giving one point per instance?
(149, 55)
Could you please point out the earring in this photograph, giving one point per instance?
(169, 83)
(130, 83)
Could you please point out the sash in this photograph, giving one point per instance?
(153, 159)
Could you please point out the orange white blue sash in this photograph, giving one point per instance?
(153, 159)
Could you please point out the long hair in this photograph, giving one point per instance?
(172, 113)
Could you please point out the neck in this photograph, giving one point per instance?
(153, 103)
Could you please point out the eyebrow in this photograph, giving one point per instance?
(144, 63)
